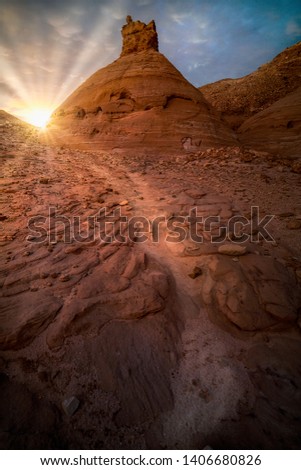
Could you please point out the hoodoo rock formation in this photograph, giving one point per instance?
(140, 101)
(138, 37)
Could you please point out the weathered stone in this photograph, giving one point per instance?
(197, 271)
(232, 250)
(70, 405)
(254, 294)
(25, 316)
(28, 420)
(138, 36)
(123, 203)
(64, 277)
(294, 224)
(44, 180)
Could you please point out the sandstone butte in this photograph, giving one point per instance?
(140, 102)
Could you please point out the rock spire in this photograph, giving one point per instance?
(138, 36)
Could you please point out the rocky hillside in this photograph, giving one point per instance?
(140, 101)
(238, 99)
(277, 129)
(16, 129)
(8, 120)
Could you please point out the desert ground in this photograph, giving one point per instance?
(142, 333)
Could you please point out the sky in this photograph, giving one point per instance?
(49, 47)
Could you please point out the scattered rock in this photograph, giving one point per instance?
(232, 250)
(64, 277)
(43, 180)
(293, 224)
(70, 405)
(197, 271)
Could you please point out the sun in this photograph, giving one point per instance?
(38, 116)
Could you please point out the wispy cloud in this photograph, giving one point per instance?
(8, 90)
(293, 28)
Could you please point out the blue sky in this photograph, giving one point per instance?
(47, 48)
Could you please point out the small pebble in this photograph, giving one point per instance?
(70, 405)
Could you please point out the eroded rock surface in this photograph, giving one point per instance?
(276, 129)
(253, 292)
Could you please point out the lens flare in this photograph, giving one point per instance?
(37, 116)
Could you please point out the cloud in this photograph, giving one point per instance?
(293, 28)
(4, 51)
(8, 90)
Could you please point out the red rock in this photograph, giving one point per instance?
(277, 129)
(254, 294)
(240, 98)
(138, 36)
(25, 316)
(141, 102)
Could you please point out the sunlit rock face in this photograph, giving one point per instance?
(140, 101)
(138, 36)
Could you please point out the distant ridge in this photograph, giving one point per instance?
(238, 99)
(8, 118)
